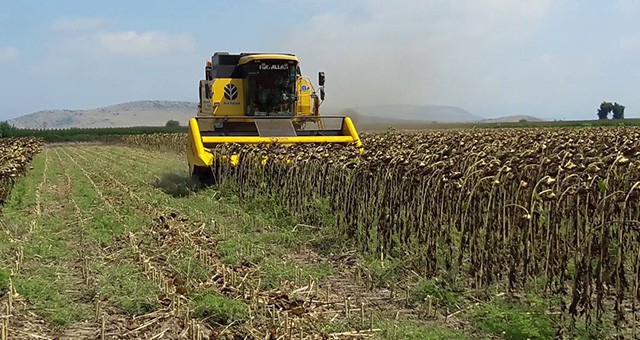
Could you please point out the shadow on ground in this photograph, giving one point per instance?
(178, 185)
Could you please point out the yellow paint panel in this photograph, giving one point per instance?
(196, 153)
(228, 97)
(304, 96)
(249, 58)
(279, 140)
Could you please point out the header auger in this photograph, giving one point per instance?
(254, 98)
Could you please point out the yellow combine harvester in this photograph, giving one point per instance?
(254, 98)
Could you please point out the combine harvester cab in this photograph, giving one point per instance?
(257, 98)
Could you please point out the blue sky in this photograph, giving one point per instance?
(555, 59)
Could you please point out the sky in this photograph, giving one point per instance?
(553, 59)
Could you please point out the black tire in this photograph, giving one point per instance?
(203, 175)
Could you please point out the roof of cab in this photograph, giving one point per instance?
(251, 57)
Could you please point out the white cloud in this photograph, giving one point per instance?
(630, 43)
(8, 54)
(150, 43)
(78, 24)
(627, 6)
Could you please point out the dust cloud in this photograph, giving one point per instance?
(414, 51)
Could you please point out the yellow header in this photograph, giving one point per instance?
(253, 57)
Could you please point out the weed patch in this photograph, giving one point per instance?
(122, 284)
(441, 292)
(514, 319)
(217, 309)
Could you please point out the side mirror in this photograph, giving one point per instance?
(321, 93)
(321, 78)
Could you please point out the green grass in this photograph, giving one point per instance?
(237, 247)
(188, 266)
(418, 331)
(244, 249)
(441, 292)
(50, 278)
(4, 280)
(46, 294)
(275, 270)
(51, 247)
(217, 309)
(396, 329)
(513, 319)
(124, 285)
(21, 197)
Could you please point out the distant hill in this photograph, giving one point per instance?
(139, 113)
(158, 112)
(513, 119)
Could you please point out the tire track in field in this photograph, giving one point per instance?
(45, 170)
(93, 184)
(77, 271)
(80, 230)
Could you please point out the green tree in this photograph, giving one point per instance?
(618, 111)
(172, 124)
(6, 129)
(604, 110)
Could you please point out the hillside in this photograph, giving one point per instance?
(139, 113)
(157, 113)
(513, 119)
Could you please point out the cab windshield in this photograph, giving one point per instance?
(271, 88)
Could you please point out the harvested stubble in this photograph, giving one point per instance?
(554, 207)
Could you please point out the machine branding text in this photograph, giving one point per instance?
(268, 67)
